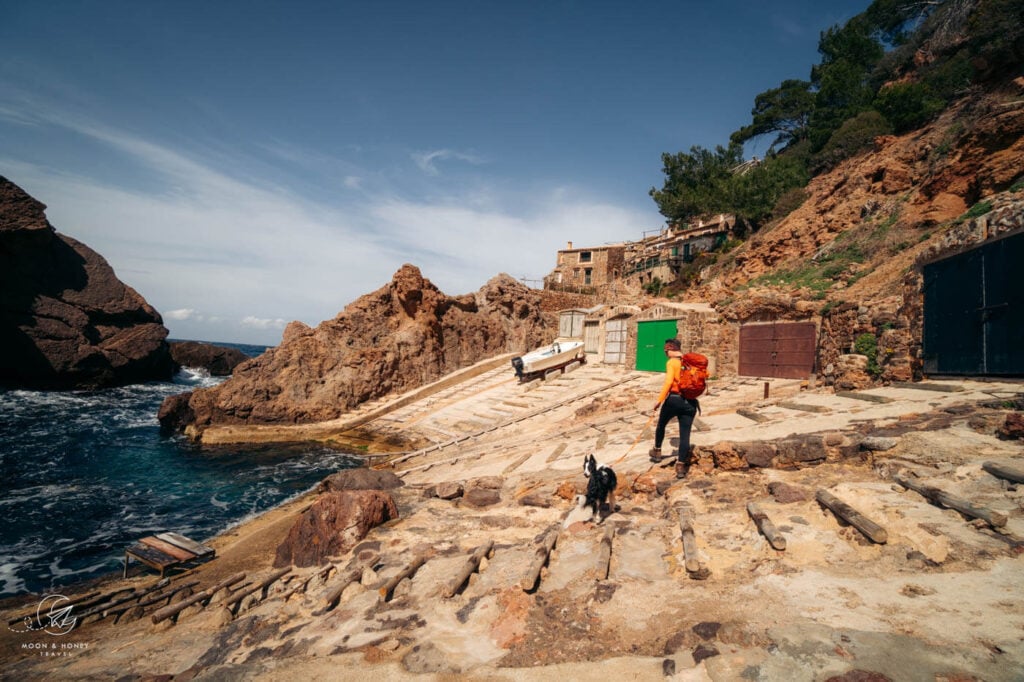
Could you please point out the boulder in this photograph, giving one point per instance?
(334, 524)
(1013, 427)
(360, 479)
(66, 320)
(784, 493)
(219, 361)
(404, 335)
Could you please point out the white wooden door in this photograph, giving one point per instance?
(615, 342)
(591, 337)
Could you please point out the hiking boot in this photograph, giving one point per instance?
(655, 455)
(681, 469)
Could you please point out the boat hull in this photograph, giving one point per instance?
(546, 358)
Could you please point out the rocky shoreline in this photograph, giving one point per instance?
(833, 604)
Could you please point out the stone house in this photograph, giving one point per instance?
(662, 257)
(588, 268)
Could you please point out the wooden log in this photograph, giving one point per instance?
(869, 528)
(350, 575)
(410, 570)
(117, 598)
(174, 609)
(942, 498)
(765, 525)
(258, 587)
(468, 568)
(690, 554)
(169, 594)
(604, 553)
(300, 585)
(544, 548)
(1003, 471)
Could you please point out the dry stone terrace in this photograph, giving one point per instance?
(939, 599)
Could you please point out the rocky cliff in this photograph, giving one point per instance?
(66, 320)
(401, 336)
(851, 256)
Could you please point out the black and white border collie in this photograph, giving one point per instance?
(601, 482)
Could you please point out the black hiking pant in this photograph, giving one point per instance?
(683, 409)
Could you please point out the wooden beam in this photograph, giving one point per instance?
(350, 575)
(388, 586)
(1003, 471)
(942, 498)
(174, 609)
(690, 554)
(765, 525)
(869, 528)
(544, 548)
(468, 568)
(262, 585)
(604, 553)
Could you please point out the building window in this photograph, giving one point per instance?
(586, 275)
(575, 273)
(585, 256)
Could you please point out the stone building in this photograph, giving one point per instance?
(662, 257)
(586, 269)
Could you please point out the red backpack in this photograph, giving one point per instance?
(693, 376)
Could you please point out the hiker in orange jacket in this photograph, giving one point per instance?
(674, 405)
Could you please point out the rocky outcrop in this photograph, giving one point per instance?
(399, 337)
(219, 361)
(333, 525)
(66, 320)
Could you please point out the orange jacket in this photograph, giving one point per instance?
(672, 368)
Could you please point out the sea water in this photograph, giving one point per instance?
(84, 474)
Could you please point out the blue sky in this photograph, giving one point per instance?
(245, 164)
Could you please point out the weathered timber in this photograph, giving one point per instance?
(869, 528)
(1003, 471)
(410, 570)
(752, 415)
(690, 556)
(604, 553)
(117, 598)
(200, 550)
(174, 609)
(942, 498)
(167, 595)
(168, 548)
(765, 525)
(544, 547)
(868, 397)
(468, 568)
(258, 587)
(350, 575)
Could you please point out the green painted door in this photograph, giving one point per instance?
(650, 344)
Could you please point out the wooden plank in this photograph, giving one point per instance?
(544, 548)
(167, 548)
(942, 498)
(467, 569)
(174, 609)
(765, 525)
(187, 544)
(869, 528)
(153, 558)
(1003, 471)
(690, 554)
(388, 586)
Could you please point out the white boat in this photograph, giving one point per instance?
(557, 355)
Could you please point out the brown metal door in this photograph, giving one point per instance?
(784, 350)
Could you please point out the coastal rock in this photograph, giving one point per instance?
(1013, 427)
(405, 334)
(219, 361)
(66, 320)
(333, 525)
(360, 479)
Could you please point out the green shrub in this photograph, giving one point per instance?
(979, 209)
(866, 344)
(908, 106)
(855, 135)
(789, 202)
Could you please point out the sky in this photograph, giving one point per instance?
(243, 164)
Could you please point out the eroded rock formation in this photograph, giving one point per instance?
(220, 361)
(401, 336)
(66, 320)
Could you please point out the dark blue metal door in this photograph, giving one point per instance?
(974, 312)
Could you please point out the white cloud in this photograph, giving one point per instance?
(425, 160)
(180, 314)
(263, 323)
